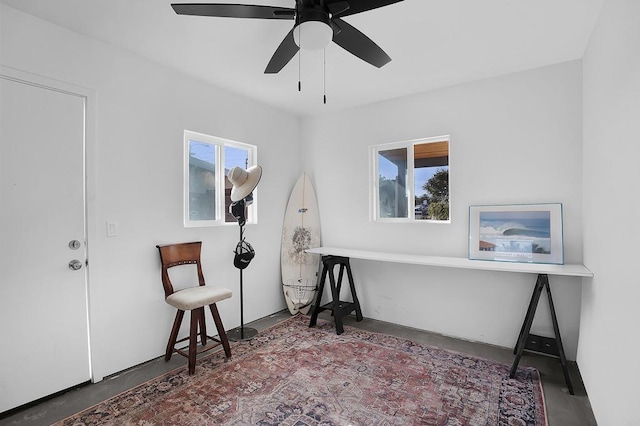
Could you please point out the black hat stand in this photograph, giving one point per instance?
(241, 333)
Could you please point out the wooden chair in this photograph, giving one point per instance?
(193, 299)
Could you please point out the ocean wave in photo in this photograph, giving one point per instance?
(515, 232)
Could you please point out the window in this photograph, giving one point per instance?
(416, 170)
(206, 187)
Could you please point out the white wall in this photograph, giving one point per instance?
(610, 301)
(135, 179)
(514, 139)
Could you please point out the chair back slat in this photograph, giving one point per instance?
(179, 254)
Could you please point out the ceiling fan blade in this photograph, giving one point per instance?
(287, 50)
(234, 10)
(355, 42)
(358, 6)
(337, 7)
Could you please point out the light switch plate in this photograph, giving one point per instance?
(112, 229)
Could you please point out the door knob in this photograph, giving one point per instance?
(75, 264)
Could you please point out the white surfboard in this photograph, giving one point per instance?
(300, 231)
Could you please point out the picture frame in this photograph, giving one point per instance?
(527, 233)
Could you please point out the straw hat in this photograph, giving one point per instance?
(243, 181)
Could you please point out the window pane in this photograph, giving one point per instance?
(233, 157)
(431, 180)
(202, 181)
(392, 193)
(207, 161)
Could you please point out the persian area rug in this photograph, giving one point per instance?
(294, 375)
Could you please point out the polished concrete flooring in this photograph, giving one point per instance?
(563, 409)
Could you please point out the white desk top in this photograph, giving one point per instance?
(574, 270)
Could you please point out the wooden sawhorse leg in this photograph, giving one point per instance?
(339, 308)
(542, 283)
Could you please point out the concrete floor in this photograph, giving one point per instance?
(563, 409)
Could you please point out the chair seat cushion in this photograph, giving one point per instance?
(197, 297)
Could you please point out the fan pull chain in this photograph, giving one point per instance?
(299, 77)
(324, 75)
(299, 62)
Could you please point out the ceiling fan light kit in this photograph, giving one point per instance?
(312, 35)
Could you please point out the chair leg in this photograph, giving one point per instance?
(221, 333)
(193, 339)
(174, 335)
(203, 327)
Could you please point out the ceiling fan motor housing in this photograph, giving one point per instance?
(313, 27)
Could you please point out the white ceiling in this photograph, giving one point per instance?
(432, 43)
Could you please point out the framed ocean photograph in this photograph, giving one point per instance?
(516, 233)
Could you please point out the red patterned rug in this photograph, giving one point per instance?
(291, 374)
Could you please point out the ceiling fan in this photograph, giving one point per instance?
(317, 23)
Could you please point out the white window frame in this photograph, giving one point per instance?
(219, 144)
(374, 202)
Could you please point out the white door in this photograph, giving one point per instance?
(43, 303)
